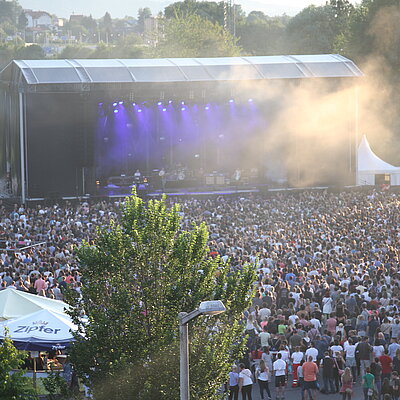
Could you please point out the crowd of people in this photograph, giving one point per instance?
(326, 314)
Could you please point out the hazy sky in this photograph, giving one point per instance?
(120, 8)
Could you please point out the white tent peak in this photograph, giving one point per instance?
(369, 161)
(15, 303)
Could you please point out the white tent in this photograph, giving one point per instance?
(15, 303)
(40, 331)
(369, 165)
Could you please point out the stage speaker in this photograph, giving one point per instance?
(210, 180)
(220, 180)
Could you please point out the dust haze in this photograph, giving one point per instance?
(315, 131)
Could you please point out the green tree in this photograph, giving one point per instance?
(210, 10)
(143, 14)
(106, 26)
(312, 31)
(15, 385)
(22, 21)
(138, 275)
(32, 52)
(262, 35)
(75, 51)
(194, 36)
(9, 11)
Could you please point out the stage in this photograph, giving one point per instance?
(71, 128)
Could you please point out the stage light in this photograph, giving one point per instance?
(100, 104)
(183, 103)
(164, 109)
(169, 101)
(115, 111)
(140, 110)
(133, 104)
(231, 101)
(206, 107)
(159, 103)
(120, 103)
(250, 100)
(115, 104)
(183, 108)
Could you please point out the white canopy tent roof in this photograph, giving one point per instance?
(41, 330)
(15, 303)
(369, 165)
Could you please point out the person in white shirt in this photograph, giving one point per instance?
(264, 312)
(264, 337)
(245, 382)
(262, 374)
(316, 323)
(313, 352)
(377, 350)
(336, 348)
(280, 376)
(296, 358)
(350, 351)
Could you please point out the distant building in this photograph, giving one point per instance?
(38, 19)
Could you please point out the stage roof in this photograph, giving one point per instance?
(24, 73)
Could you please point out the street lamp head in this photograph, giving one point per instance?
(212, 307)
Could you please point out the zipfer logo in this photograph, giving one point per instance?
(42, 328)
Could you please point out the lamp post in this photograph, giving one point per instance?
(206, 308)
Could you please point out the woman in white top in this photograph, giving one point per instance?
(252, 327)
(350, 351)
(377, 350)
(245, 382)
(327, 303)
(262, 374)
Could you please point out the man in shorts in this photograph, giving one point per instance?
(310, 371)
(279, 367)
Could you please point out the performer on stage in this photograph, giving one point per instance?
(163, 178)
(137, 176)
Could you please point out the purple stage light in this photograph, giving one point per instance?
(183, 108)
(206, 107)
(115, 104)
(250, 100)
(115, 111)
(133, 104)
(120, 103)
(231, 101)
(159, 103)
(140, 110)
(169, 101)
(183, 103)
(164, 109)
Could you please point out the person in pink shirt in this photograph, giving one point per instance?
(331, 324)
(310, 371)
(40, 286)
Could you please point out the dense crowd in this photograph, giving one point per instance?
(327, 300)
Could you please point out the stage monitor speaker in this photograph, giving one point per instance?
(210, 180)
(220, 180)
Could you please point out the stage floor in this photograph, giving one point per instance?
(191, 191)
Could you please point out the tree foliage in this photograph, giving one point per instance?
(261, 35)
(12, 385)
(194, 36)
(139, 275)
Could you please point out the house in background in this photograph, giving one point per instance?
(38, 19)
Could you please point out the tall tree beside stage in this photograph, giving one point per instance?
(138, 275)
(194, 36)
